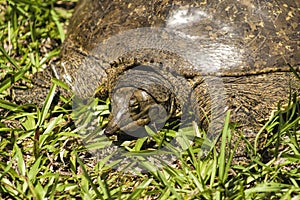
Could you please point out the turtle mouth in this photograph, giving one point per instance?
(134, 128)
(132, 123)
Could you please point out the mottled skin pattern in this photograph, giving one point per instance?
(263, 37)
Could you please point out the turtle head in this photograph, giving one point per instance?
(134, 108)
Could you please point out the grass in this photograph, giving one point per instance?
(42, 155)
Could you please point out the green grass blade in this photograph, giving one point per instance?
(20, 160)
(10, 106)
(47, 105)
(222, 158)
(34, 170)
(11, 60)
(86, 175)
(10, 80)
(143, 186)
(58, 24)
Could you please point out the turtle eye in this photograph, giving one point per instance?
(134, 105)
(139, 104)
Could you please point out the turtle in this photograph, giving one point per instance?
(187, 59)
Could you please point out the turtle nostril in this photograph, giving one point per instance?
(110, 130)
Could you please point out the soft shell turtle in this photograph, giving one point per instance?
(160, 59)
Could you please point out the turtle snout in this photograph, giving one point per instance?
(130, 112)
(111, 128)
(116, 120)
